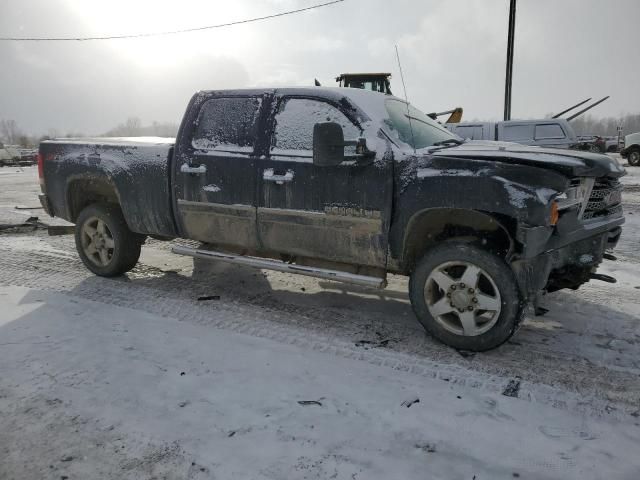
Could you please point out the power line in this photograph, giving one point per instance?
(171, 32)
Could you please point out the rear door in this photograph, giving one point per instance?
(339, 213)
(215, 177)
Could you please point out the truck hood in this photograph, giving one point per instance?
(573, 163)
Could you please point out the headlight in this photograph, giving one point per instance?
(575, 194)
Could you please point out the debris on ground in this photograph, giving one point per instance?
(366, 344)
(426, 447)
(29, 225)
(55, 230)
(408, 403)
(512, 389)
(209, 297)
(466, 353)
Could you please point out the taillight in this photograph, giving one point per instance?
(41, 170)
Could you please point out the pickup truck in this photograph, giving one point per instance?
(631, 150)
(348, 185)
(550, 133)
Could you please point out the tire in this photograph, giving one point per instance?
(594, 148)
(634, 157)
(116, 249)
(494, 286)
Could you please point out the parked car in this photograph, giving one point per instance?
(611, 143)
(631, 150)
(9, 155)
(265, 178)
(552, 133)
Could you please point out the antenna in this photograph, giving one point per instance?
(413, 140)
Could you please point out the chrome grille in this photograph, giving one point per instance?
(605, 199)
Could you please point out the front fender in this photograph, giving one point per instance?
(519, 192)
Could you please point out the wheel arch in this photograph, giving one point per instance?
(87, 190)
(426, 228)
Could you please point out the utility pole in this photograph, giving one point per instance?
(509, 73)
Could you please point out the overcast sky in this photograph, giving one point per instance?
(453, 54)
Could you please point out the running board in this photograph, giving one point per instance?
(336, 275)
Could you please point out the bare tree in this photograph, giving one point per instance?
(9, 131)
(589, 125)
(133, 128)
(133, 125)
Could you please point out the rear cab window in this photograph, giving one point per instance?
(227, 124)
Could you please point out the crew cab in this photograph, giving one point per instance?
(349, 185)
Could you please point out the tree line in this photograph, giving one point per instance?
(12, 134)
(589, 125)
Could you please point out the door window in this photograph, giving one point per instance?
(548, 131)
(227, 124)
(293, 132)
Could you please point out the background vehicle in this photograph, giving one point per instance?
(611, 143)
(376, 82)
(555, 133)
(267, 179)
(631, 150)
(9, 155)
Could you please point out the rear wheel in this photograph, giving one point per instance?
(634, 157)
(104, 242)
(595, 148)
(465, 297)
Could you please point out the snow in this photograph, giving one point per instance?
(449, 172)
(227, 123)
(296, 119)
(175, 394)
(212, 188)
(91, 369)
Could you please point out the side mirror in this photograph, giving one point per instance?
(328, 144)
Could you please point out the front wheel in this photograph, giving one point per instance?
(465, 297)
(634, 157)
(104, 242)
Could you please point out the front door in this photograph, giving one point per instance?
(216, 171)
(340, 213)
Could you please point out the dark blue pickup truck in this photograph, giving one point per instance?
(348, 185)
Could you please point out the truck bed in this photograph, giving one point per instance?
(137, 169)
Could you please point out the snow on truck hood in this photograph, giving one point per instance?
(575, 162)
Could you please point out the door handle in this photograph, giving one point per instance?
(186, 168)
(269, 176)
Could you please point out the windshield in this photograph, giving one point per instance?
(426, 132)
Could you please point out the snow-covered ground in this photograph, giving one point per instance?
(136, 378)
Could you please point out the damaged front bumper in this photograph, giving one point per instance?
(564, 256)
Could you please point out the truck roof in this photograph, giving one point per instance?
(369, 102)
